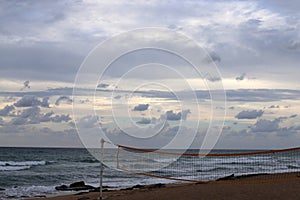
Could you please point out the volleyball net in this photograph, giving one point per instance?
(220, 165)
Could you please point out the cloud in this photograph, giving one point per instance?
(33, 115)
(144, 121)
(212, 78)
(173, 116)
(293, 116)
(88, 122)
(25, 85)
(249, 114)
(1, 122)
(66, 99)
(118, 97)
(241, 77)
(45, 102)
(212, 57)
(18, 121)
(60, 118)
(46, 117)
(30, 100)
(6, 110)
(102, 85)
(264, 125)
(141, 107)
(274, 106)
(293, 45)
(30, 112)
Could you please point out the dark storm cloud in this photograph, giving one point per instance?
(274, 106)
(249, 114)
(144, 121)
(102, 85)
(264, 125)
(49, 47)
(6, 110)
(141, 107)
(38, 62)
(25, 85)
(293, 116)
(65, 99)
(173, 116)
(60, 118)
(30, 100)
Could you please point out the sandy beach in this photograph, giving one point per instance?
(253, 187)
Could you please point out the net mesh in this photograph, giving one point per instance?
(229, 165)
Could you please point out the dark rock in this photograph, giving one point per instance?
(40, 196)
(230, 177)
(77, 186)
(138, 186)
(158, 185)
(62, 187)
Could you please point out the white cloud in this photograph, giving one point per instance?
(88, 122)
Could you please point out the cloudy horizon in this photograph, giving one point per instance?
(254, 44)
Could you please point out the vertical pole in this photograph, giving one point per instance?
(102, 167)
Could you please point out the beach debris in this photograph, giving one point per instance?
(77, 186)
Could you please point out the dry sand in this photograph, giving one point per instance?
(239, 189)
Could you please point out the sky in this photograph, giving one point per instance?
(149, 98)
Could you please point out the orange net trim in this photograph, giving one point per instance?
(215, 155)
(212, 154)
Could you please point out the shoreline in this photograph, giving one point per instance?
(259, 186)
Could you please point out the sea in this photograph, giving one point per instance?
(31, 172)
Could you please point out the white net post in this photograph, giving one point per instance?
(102, 167)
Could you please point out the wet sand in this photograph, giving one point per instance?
(266, 187)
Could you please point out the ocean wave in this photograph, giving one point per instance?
(23, 163)
(166, 160)
(29, 191)
(17, 166)
(13, 168)
(89, 161)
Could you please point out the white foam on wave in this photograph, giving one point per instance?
(13, 168)
(165, 160)
(16, 166)
(29, 191)
(23, 163)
